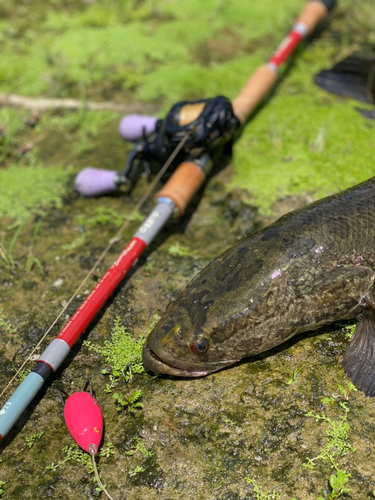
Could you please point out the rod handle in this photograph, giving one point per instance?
(259, 84)
(182, 185)
(313, 13)
(19, 401)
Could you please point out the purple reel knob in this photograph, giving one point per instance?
(95, 181)
(131, 127)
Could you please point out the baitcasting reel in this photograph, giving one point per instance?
(209, 124)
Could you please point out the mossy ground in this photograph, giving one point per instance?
(206, 435)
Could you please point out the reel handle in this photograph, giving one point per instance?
(93, 181)
(133, 127)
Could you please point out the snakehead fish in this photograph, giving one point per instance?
(312, 267)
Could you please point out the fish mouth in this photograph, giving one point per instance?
(154, 363)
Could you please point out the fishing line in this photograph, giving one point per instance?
(111, 242)
(92, 453)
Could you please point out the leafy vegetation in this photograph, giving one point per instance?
(122, 352)
(131, 402)
(139, 446)
(30, 440)
(294, 372)
(337, 441)
(261, 494)
(338, 485)
(31, 259)
(76, 455)
(177, 250)
(337, 435)
(8, 260)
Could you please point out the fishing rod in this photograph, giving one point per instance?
(172, 200)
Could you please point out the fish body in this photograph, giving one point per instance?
(312, 267)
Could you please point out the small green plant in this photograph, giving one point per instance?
(31, 259)
(137, 470)
(294, 372)
(149, 266)
(4, 323)
(177, 250)
(337, 443)
(337, 440)
(338, 485)
(22, 375)
(7, 260)
(131, 402)
(344, 395)
(31, 439)
(75, 454)
(139, 446)
(337, 432)
(349, 330)
(1, 488)
(260, 493)
(122, 352)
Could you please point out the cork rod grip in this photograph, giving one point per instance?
(312, 14)
(183, 184)
(252, 94)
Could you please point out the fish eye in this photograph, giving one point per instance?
(200, 347)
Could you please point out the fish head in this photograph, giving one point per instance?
(231, 310)
(178, 346)
(203, 330)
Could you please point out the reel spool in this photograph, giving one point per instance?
(209, 123)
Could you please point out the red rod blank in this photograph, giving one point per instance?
(101, 293)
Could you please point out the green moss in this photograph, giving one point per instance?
(302, 144)
(27, 190)
(104, 216)
(79, 51)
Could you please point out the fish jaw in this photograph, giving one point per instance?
(155, 364)
(158, 360)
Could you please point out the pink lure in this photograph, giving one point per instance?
(84, 420)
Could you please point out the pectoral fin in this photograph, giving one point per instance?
(359, 359)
